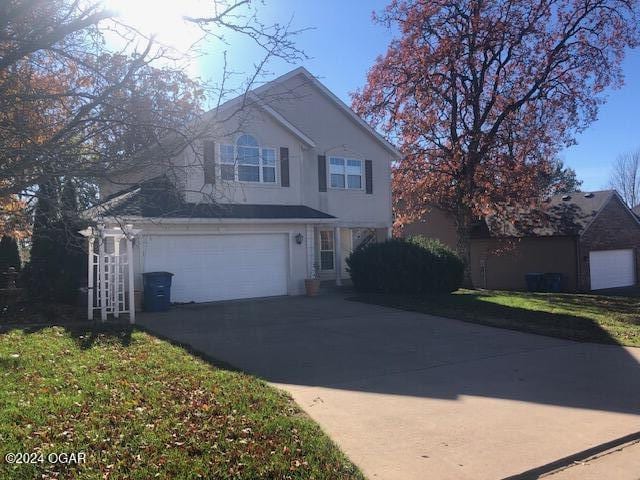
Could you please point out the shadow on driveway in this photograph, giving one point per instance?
(331, 342)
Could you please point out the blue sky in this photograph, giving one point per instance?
(344, 42)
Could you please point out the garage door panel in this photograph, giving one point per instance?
(220, 267)
(612, 268)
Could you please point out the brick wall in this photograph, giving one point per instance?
(613, 229)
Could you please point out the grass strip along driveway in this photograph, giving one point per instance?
(580, 317)
(141, 408)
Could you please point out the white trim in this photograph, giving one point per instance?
(277, 116)
(132, 301)
(103, 286)
(311, 256)
(261, 147)
(153, 233)
(214, 221)
(90, 271)
(355, 224)
(290, 245)
(254, 95)
(338, 255)
(346, 175)
(115, 274)
(332, 235)
(339, 103)
(267, 109)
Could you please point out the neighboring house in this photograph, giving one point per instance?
(291, 181)
(593, 239)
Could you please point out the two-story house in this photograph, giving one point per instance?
(289, 181)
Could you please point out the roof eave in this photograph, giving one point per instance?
(344, 107)
(612, 193)
(214, 221)
(330, 95)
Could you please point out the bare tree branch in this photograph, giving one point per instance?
(625, 177)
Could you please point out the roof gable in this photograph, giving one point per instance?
(251, 100)
(622, 204)
(260, 97)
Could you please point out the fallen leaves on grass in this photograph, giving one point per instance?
(141, 408)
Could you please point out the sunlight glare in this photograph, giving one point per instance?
(163, 19)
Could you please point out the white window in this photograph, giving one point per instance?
(227, 162)
(326, 250)
(248, 157)
(268, 165)
(345, 173)
(247, 162)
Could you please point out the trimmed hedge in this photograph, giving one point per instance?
(416, 265)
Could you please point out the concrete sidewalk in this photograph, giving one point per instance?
(622, 463)
(410, 396)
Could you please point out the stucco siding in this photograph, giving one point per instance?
(269, 134)
(329, 131)
(335, 133)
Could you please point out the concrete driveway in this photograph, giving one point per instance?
(411, 396)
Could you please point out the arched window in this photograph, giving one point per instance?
(247, 141)
(247, 162)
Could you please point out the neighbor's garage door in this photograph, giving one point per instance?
(220, 267)
(612, 268)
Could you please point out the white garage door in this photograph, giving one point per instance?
(612, 268)
(220, 267)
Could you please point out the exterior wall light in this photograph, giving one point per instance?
(299, 238)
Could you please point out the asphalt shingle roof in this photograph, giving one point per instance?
(158, 198)
(560, 215)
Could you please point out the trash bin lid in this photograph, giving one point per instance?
(159, 274)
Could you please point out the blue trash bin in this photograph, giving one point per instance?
(157, 291)
(553, 282)
(534, 281)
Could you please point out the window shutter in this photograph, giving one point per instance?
(284, 166)
(322, 173)
(209, 162)
(368, 176)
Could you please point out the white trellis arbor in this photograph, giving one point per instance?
(110, 278)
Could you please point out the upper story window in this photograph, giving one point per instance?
(345, 173)
(246, 161)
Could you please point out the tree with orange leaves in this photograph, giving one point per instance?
(74, 105)
(480, 95)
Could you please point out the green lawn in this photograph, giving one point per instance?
(589, 318)
(140, 408)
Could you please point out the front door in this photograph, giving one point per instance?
(327, 251)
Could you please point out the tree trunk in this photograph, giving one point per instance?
(463, 230)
